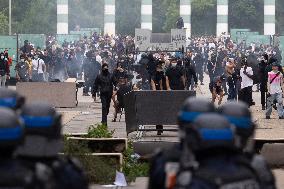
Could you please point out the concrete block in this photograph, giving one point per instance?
(146, 148)
(60, 95)
(273, 153)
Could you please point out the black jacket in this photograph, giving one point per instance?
(104, 82)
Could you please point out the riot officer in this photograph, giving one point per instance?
(165, 164)
(42, 144)
(220, 165)
(240, 116)
(12, 173)
(11, 99)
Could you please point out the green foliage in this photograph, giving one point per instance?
(100, 170)
(99, 131)
(128, 16)
(204, 17)
(39, 17)
(202, 6)
(132, 168)
(246, 14)
(86, 13)
(172, 15)
(4, 24)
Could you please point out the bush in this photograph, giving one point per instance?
(100, 170)
(132, 167)
(99, 131)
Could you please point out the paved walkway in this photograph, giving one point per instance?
(77, 120)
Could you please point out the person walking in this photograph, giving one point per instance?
(246, 74)
(275, 90)
(104, 83)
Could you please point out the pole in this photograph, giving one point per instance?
(10, 17)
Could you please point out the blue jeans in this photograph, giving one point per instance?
(278, 98)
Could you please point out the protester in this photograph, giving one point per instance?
(175, 76)
(245, 94)
(4, 70)
(216, 90)
(104, 84)
(23, 72)
(38, 69)
(275, 90)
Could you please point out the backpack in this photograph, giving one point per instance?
(23, 70)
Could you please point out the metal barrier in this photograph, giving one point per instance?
(153, 108)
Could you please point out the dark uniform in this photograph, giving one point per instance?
(165, 164)
(13, 174)
(240, 117)
(220, 163)
(42, 145)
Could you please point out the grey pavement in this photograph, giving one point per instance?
(88, 112)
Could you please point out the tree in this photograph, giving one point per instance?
(246, 14)
(172, 15)
(40, 17)
(3, 24)
(128, 16)
(86, 13)
(203, 17)
(280, 16)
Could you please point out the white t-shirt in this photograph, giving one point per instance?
(275, 86)
(38, 64)
(246, 81)
(99, 59)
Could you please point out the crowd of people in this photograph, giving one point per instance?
(233, 68)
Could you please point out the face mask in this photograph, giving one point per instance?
(2, 57)
(105, 70)
(22, 60)
(174, 64)
(36, 57)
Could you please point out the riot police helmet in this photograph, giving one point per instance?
(11, 130)
(192, 108)
(210, 131)
(43, 131)
(240, 117)
(11, 99)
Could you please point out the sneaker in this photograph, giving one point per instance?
(114, 120)
(281, 117)
(267, 117)
(202, 84)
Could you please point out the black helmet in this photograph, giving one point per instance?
(210, 131)
(11, 129)
(43, 131)
(192, 108)
(239, 116)
(11, 99)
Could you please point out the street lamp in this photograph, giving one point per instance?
(10, 17)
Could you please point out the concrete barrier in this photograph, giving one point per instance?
(58, 94)
(273, 153)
